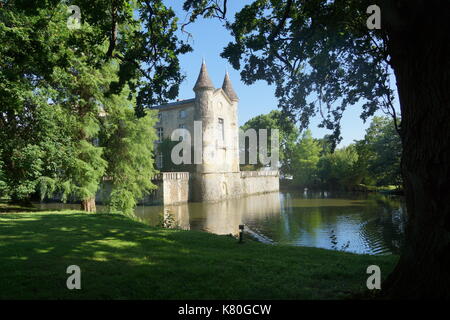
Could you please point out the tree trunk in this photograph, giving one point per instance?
(88, 205)
(419, 47)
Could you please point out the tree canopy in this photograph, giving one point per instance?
(319, 55)
(69, 97)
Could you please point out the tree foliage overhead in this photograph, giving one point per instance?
(56, 84)
(319, 55)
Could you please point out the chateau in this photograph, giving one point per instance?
(217, 176)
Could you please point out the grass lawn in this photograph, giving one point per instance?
(124, 259)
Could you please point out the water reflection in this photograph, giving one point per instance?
(220, 218)
(366, 224)
(358, 223)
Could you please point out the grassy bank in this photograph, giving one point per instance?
(123, 259)
(288, 185)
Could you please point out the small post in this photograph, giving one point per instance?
(241, 233)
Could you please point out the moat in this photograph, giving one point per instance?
(360, 223)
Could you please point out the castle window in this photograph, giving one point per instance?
(159, 116)
(221, 133)
(160, 132)
(182, 114)
(159, 161)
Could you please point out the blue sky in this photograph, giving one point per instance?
(209, 38)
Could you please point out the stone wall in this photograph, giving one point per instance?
(258, 182)
(215, 186)
(181, 187)
(221, 186)
(175, 187)
(172, 188)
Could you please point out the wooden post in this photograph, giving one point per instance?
(241, 233)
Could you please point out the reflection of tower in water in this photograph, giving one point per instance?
(288, 218)
(226, 216)
(286, 211)
(176, 217)
(223, 217)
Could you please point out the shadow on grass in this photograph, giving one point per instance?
(123, 259)
(6, 207)
(11, 207)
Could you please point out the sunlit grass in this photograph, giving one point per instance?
(124, 259)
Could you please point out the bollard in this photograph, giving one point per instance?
(241, 233)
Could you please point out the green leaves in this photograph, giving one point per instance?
(380, 152)
(128, 143)
(340, 170)
(375, 160)
(68, 97)
(306, 158)
(319, 54)
(149, 57)
(288, 135)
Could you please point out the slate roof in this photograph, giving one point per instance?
(174, 104)
(203, 81)
(228, 88)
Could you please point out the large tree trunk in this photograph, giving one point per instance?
(419, 45)
(88, 205)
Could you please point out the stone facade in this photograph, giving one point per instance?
(173, 188)
(217, 176)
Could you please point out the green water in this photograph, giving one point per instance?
(359, 223)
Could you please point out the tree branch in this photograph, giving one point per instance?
(214, 7)
(280, 26)
(113, 35)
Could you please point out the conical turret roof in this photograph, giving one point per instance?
(203, 81)
(228, 88)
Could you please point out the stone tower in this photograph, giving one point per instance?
(204, 91)
(218, 176)
(227, 87)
